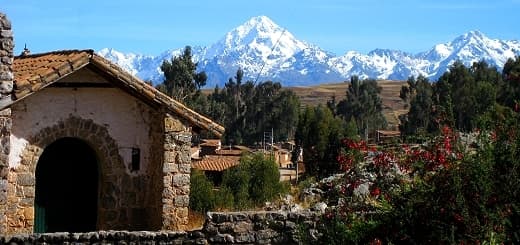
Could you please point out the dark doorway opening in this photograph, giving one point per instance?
(66, 188)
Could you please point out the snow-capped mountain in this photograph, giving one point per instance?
(266, 51)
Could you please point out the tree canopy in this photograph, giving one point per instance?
(181, 79)
(463, 97)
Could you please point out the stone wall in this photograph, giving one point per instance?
(6, 60)
(176, 174)
(6, 87)
(220, 228)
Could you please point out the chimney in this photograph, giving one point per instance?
(6, 61)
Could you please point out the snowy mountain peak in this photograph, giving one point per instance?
(260, 23)
(259, 35)
(470, 38)
(267, 51)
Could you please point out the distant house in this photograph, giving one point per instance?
(213, 159)
(289, 170)
(387, 136)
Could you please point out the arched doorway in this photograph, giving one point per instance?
(66, 187)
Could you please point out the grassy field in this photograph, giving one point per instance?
(393, 106)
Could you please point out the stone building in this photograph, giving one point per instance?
(86, 146)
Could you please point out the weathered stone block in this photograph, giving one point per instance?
(242, 227)
(6, 87)
(28, 213)
(184, 190)
(226, 227)
(169, 156)
(6, 33)
(222, 238)
(25, 179)
(240, 217)
(184, 168)
(182, 201)
(181, 180)
(247, 237)
(170, 167)
(218, 218)
(276, 216)
(173, 125)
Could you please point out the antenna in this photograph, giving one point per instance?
(274, 46)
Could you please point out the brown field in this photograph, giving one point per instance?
(393, 106)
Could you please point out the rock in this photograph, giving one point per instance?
(319, 207)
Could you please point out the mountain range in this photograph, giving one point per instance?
(266, 51)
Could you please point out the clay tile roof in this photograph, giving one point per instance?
(36, 71)
(216, 163)
(210, 142)
(229, 152)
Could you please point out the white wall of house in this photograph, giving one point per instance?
(126, 117)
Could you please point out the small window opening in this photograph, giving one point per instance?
(136, 159)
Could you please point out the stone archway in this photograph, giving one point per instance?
(66, 190)
(110, 167)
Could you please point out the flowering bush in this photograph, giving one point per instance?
(441, 192)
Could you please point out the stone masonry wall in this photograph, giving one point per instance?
(6, 88)
(6, 60)
(122, 201)
(220, 228)
(176, 174)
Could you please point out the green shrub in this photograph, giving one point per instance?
(236, 180)
(202, 198)
(264, 184)
(253, 182)
(224, 199)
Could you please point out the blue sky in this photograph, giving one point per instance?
(152, 26)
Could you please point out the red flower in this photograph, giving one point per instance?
(458, 218)
(376, 241)
(375, 192)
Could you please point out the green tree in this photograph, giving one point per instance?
(419, 117)
(509, 88)
(202, 198)
(363, 104)
(408, 91)
(237, 181)
(254, 181)
(319, 135)
(265, 178)
(462, 95)
(181, 79)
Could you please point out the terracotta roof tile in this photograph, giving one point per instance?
(229, 152)
(216, 163)
(35, 72)
(210, 142)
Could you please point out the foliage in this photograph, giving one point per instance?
(419, 120)
(181, 79)
(441, 193)
(247, 110)
(460, 98)
(202, 198)
(509, 89)
(224, 199)
(237, 180)
(319, 134)
(363, 105)
(254, 181)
